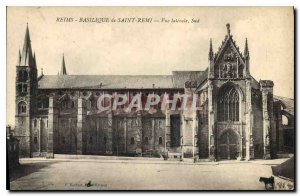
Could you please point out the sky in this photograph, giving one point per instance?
(156, 48)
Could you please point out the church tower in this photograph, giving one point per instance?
(230, 115)
(26, 90)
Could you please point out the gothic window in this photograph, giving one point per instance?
(23, 75)
(228, 104)
(22, 107)
(160, 140)
(35, 122)
(22, 88)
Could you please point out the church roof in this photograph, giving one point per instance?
(288, 103)
(180, 77)
(105, 81)
(177, 81)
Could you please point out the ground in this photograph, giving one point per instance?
(138, 174)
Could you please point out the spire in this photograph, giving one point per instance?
(246, 51)
(211, 52)
(63, 70)
(228, 28)
(19, 58)
(26, 56)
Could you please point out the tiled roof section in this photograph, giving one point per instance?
(180, 77)
(287, 102)
(105, 81)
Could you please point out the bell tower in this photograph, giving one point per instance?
(26, 90)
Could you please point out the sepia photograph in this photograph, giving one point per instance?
(150, 98)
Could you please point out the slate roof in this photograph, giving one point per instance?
(176, 80)
(105, 81)
(180, 77)
(287, 102)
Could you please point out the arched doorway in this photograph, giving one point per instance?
(229, 145)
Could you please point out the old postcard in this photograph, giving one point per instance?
(150, 98)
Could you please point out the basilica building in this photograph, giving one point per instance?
(237, 118)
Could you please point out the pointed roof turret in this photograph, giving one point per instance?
(246, 51)
(211, 52)
(26, 56)
(63, 70)
(228, 28)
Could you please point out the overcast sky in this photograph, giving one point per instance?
(151, 48)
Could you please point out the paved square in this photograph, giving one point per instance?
(89, 174)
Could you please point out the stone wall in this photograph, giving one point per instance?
(23, 133)
(39, 135)
(257, 125)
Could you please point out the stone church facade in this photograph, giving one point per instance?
(238, 117)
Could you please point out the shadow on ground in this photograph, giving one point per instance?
(26, 169)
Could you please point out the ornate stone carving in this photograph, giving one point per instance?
(229, 56)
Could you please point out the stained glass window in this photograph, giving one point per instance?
(228, 104)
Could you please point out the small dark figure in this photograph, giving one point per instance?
(89, 184)
(165, 154)
(269, 182)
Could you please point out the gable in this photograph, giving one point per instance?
(228, 62)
